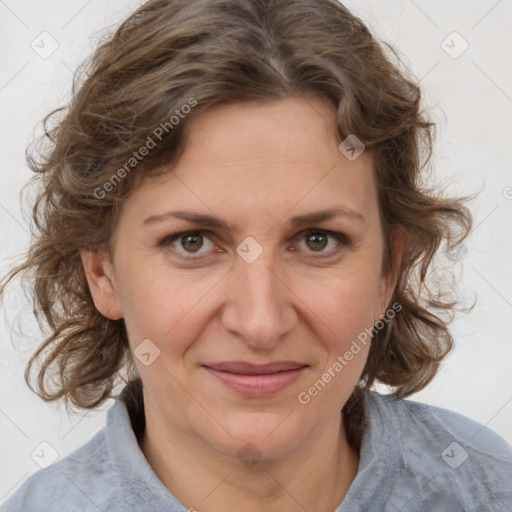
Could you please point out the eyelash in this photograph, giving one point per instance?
(340, 237)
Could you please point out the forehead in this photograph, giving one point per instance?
(249, 159)
(281, 127)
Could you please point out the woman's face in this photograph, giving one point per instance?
(239, 319)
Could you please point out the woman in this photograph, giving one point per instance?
(279, 139)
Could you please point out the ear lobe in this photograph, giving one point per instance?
(99, 274)
(388, 282)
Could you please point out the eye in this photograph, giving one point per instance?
(191, 242)
(316, 240)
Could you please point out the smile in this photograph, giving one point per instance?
(256, 380)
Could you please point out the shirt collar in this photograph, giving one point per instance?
(141, 487)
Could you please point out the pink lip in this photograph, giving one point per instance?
(257, 380)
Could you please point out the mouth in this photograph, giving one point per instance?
(256, 380)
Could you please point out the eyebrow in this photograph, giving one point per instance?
(212, 221)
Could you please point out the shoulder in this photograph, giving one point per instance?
(80, 481)
(109, 472)
(447, 453)
(419, 422)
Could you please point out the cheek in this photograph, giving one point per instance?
(165, 307)
(172, 307)
(345, 305)
(345, 299)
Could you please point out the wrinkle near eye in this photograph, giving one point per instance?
(179, 240)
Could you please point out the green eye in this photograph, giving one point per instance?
(315, 240)
(192, 243)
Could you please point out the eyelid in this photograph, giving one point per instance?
(167, 240)
(342, 239)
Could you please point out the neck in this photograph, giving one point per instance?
(315, 476)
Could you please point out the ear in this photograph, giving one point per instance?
(100, 277)
(388, 282)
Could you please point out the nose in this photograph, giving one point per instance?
(260, 304)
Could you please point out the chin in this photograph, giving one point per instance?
(258, 436)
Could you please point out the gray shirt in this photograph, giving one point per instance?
(414, 457)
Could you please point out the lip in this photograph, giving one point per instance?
(256, 380)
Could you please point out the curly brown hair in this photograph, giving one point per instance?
(170, 53)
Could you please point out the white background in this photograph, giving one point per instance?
(472, 96)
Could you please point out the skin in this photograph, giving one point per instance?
(254, 165)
